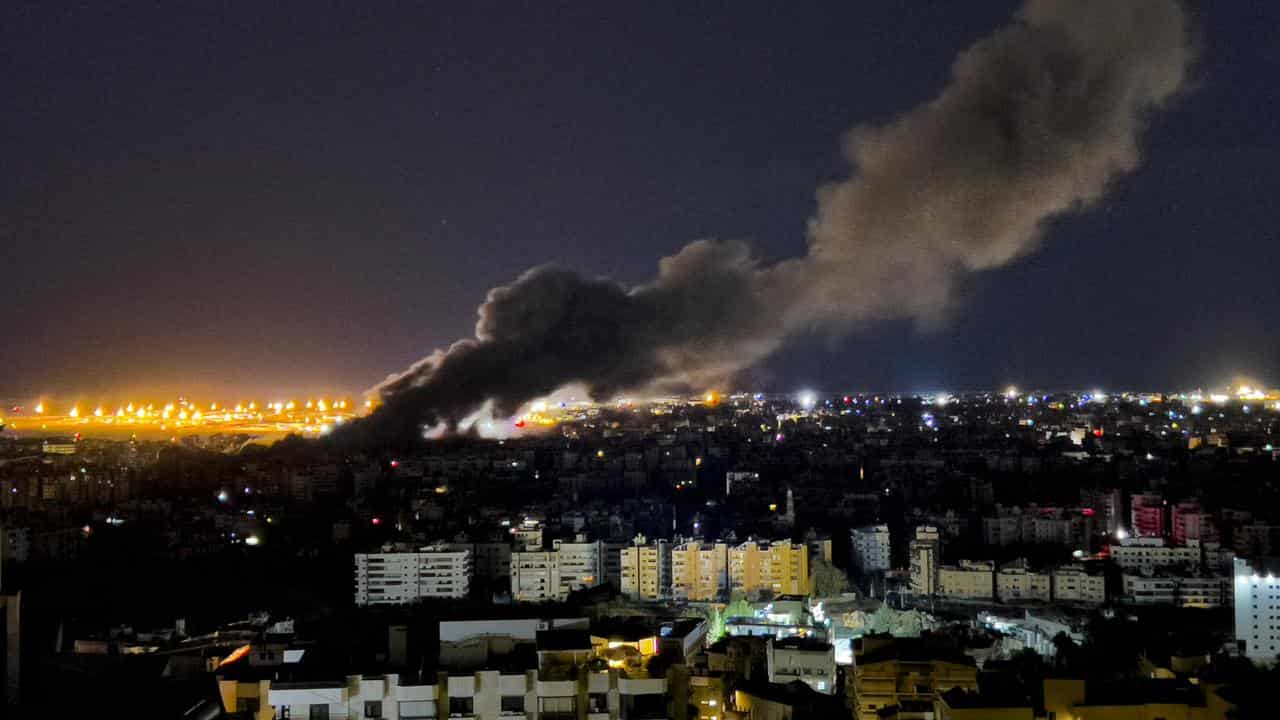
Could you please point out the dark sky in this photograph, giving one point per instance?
(266, 198)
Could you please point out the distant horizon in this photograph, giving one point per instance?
(89, 401)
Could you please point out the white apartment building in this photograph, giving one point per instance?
(581, 564)
(1071, 583)
(869, 548)
(400, 578)
(1145, 554)
(646, 570)
(970, 580)
(550, 575)
(1015, 583)
(535, 576)
(483, 695)
(809, 661)
(1257, 605)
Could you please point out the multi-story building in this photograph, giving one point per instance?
(1173, 589)
(1255, 539)
(779, 567)
(699, 571)
(535, 576)
(1108, 504)
(552, 686)
(646, 570)
(491, 562)
(1015, 583)
(581, 564)
(1074, 584)
(1002, 529)
(819, 547)
(527, 535)
(398, 578)
(888, 671)
(1147, 515)
(547, 575)
(925, 553)
(869, 549)
(809, 661)
(970, 580)
(1257, 603)
(1146, 554)
(1191, 522)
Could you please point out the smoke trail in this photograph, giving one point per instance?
(1037, 119)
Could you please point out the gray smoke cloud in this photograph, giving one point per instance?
(1037, 120)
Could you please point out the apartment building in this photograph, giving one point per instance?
(535, 576)
(1016, 583)
(869, 549)
(890, 671)
(699, 571)
(646, 570)
(1256, 604)
(809, 661)
(925, 554)
(400, 578)
(780, 567)
(1146, 554)
(970, 580)
(1072, 583)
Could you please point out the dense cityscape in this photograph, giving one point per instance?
(570, 360)
(1002, 554)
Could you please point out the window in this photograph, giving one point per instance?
(512, 704)
(461, 706)
(247, 705)
(417, 709)
(557, 708)
(284, 712)
(598, 703)
(319, 712)
(373, 709)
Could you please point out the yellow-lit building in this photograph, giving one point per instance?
(699, 572)
(887, 671)
(1074, 699)
(781, 567)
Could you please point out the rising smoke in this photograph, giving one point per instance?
(1037, 120)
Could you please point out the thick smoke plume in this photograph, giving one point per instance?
(1037, 120)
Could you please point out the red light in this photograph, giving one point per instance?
(847, 399)
(377, 521)
(77, 437)
(1088, 512)
(395, 463)
(1097, 433)
(519, 423)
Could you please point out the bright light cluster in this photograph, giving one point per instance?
(183, 416)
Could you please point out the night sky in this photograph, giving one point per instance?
(262, 198)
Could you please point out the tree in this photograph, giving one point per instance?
(715, 623)
(739, 607)
(827, 580)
